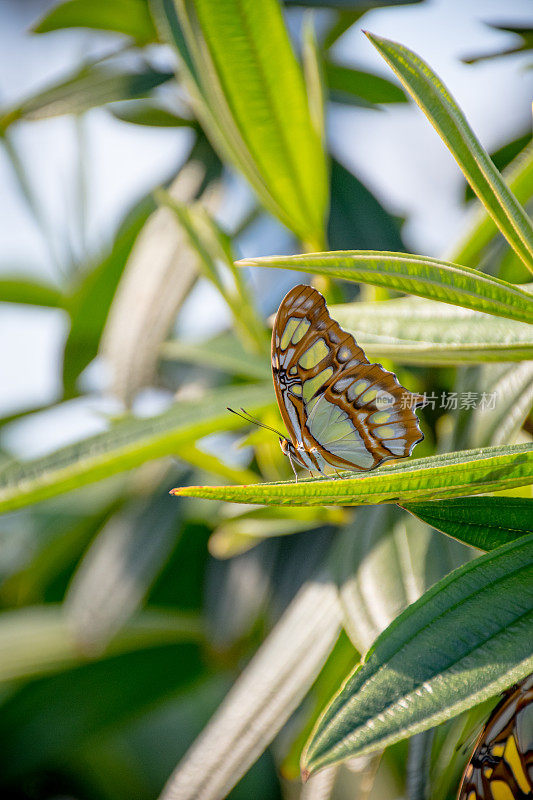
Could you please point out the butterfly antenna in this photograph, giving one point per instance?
(248, 417)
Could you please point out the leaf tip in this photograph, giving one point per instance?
(175, 491)
(305, 775)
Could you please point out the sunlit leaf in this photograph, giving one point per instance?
(420, 671)
(437, 477)
(445, 115)
(130, 17)
(158, 276)
(507, 390)
(314, 77)
(253, 107)
(91, 86)
(482, 229)
(482, 522)
(126, 445)
(264, 696)
(418, 275)
(211, 248)
(30, 291)
(503, 158)
(383, 561)
(416, 331)
(116, 572)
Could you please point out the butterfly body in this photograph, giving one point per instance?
(340, 410)
(501, 766)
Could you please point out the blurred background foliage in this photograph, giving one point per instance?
(128, 615)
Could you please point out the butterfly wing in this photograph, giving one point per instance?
(501, 766)
(334, 403)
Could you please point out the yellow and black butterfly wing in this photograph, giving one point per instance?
(501, 766)
(335, 404)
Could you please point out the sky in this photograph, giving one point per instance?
(410, 171)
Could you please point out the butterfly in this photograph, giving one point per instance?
(340, 410)
(501, 766)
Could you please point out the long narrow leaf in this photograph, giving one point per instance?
(225, 353)
(482, 522)
(450, 123)
(418, 275)
(466, 639)
(129, 17)
(17, 289)
(37, 640)
(413, 330)
(211, 247)
(383, 561)
(253, 107)
(263, 698)
(482, 229)
(116, 572)
(128, 444)
(91, 86)
(438, 477)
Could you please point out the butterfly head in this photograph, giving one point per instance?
(287, 447)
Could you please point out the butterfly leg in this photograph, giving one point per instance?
(293, 469)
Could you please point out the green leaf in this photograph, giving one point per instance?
(411, 330)
(91, 299)
(497, 421)
(243, 531)
(158, 276)
(438, 477)
(149, 112)
(383, 561)
(38, 640)
(212, 247)
(130, 17)
(525, 32)
(341, 659)
(354, 86)
(91, 86)
(482, 522)
(225, 353)
(502, 158)
(350, 5)
(357, 220)
(445, 115)
(44, 723)
(442, 655)
(119, 567)
(419, 275)
(269, 689)
(314, 77)
(482, 229)
(129, 443)
(29, 291)
(253, 107)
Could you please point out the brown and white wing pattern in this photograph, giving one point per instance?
(338, 408)
(501, 766)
